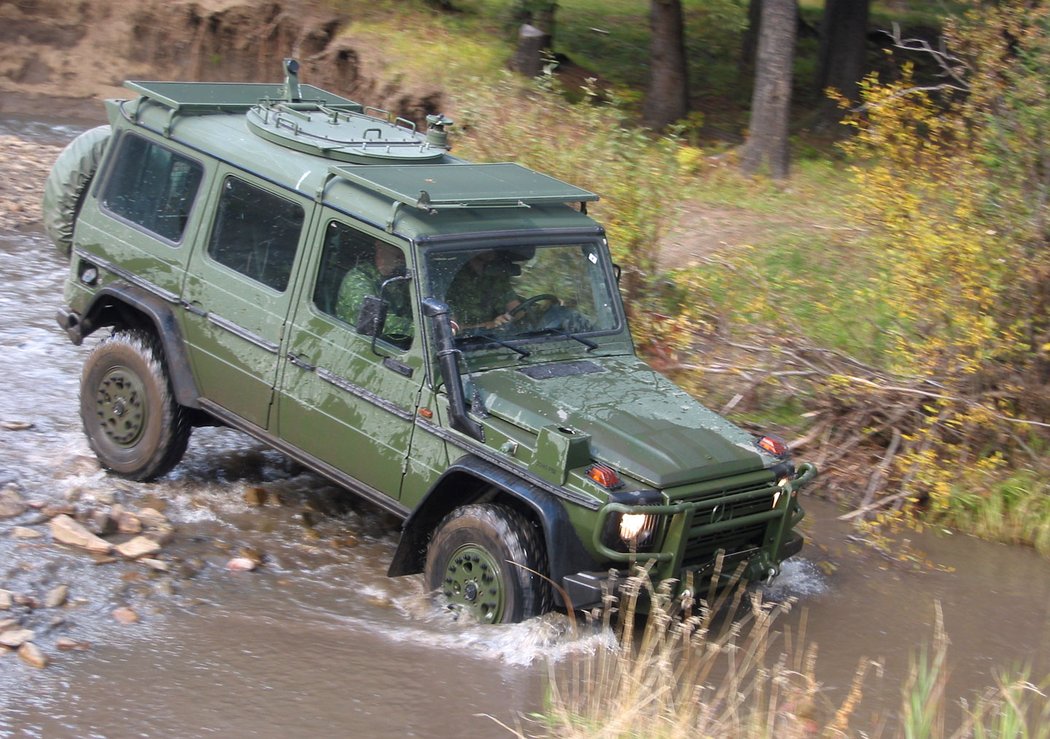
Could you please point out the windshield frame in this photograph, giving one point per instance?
(541, 339)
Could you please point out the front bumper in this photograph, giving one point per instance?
(686, 522)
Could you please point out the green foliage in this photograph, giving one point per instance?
(589, 145)
(954, 189)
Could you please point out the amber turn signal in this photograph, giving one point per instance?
(604, 476)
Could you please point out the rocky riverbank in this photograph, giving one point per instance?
(24, 165)
(33, 620)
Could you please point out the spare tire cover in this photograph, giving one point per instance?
(68, 182)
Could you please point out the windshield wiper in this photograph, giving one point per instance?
(489, 337)
(591, 346)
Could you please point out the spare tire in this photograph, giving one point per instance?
(68, 183)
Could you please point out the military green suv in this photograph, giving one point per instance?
(442, 338)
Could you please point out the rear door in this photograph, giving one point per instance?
(238, 292)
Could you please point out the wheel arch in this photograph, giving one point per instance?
(128, 306)
(471, 480)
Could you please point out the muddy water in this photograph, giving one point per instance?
(318, 641)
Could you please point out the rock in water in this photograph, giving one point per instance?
(67, 531)
(11, 503)
(16, 637)
(125, 615)
(56, 597)
(140, 546)
(32, 656)
(240, 564)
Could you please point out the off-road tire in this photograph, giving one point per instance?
(131, 418)
(68, 183)
(483, 559)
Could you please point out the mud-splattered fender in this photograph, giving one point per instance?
(470, 479)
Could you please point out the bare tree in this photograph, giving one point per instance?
(667, 97)
(767, 141)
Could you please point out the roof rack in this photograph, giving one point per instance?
(231, 97)
(432, 188)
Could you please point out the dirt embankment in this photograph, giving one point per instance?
(58, 58)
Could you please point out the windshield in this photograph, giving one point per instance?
(511, 293)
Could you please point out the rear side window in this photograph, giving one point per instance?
(256, 233)
(152, 187)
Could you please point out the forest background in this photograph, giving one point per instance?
(881, 298)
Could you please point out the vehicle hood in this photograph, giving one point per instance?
(640, 423)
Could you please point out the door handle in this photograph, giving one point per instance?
(301, 361)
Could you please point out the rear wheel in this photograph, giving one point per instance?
(483, 560)
(131, 418)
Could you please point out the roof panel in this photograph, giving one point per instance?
(229, 96)
(441, 186)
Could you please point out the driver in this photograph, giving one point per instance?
(481, 295)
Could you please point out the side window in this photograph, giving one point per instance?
(355, 265)
(152, 187)
(256, 233)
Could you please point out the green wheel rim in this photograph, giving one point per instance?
(120, 404)
(473, 582)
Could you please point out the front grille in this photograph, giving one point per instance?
(701, 545)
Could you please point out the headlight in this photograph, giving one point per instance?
(636, 529)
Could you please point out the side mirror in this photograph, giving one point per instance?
(372, 316)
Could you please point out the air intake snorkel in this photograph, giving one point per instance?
(438, 313)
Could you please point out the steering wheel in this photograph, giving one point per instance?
(529, 302)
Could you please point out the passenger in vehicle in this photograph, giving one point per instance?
(367, 279)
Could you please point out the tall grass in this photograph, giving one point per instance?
(716, 667)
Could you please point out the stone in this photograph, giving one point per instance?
(67, 531)
(6, 599)
(15, 638)
(255, 496)
(241, 564)
(56, 597)
(103, 524)
(140, 546)
(128, 523)
(16, 425)
(11, 503)
(65, 644)
(6, 624)
(151, 518)
(155, 564)
(32, 656)
(163, 535)
(58, 509)
(22, 532)
(125, 615)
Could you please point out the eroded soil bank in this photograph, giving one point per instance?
(57, 59)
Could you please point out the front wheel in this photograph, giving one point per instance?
(484, 559)
(131, 418)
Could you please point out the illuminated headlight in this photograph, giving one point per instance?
(635, 531)
(636, 528)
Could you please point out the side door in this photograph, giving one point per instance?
(238, 291)
(346, 400)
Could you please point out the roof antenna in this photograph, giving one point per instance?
(291, 81)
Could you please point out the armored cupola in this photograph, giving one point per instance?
(365, 136)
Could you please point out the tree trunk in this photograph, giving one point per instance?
(667, 98)
(767, 140)
(843, 52)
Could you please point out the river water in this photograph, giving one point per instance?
(318, 641)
